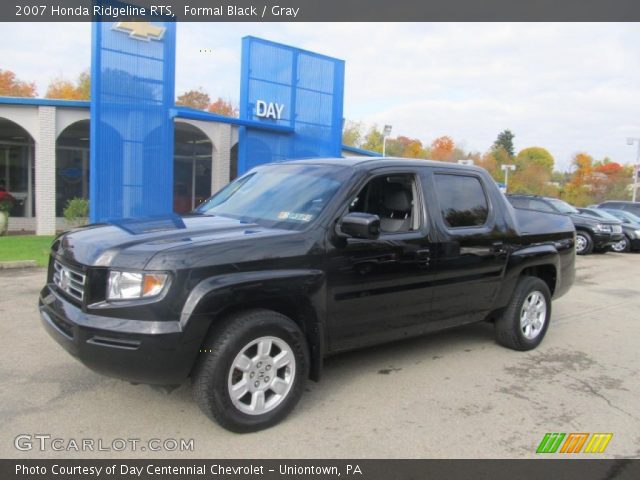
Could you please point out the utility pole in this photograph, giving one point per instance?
(385, 133)
(636, 167)
(505, 168)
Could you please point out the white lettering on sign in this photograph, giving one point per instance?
(269, 110)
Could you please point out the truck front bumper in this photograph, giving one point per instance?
(153, 352)
(602, 240)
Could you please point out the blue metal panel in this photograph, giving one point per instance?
(310, 89)
(132, 92)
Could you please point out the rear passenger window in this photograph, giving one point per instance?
(463, 202)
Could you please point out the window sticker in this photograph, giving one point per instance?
(300, 217)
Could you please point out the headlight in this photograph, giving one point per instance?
(603, 228)
(132, 285)
(637, 232)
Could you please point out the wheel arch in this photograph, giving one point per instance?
(296, 294)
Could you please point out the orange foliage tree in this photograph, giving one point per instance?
(11, 86)
(223, 107)
(442, 148)
(67, 90)
(198, 99)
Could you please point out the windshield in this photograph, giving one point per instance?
(599, 213)
(285, 196)
(561, 206)
(622, 215)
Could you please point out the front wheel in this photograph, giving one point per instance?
(524, 323)
(251, 371)
(584, 243)
(622, 246)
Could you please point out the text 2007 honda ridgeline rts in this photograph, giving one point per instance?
(298, 260)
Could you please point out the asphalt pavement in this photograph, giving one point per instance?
(455, 394)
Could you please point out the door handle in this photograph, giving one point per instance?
(498, 247)
(423, 256)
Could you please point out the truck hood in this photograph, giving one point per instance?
(584, 218)
(132, 243)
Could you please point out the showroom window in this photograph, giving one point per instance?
(17, 168)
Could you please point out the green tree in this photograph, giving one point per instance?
(535, 156)
(84, 84)
(373, 140)
(352, 133)
(505, 141)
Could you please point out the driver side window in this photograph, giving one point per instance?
(394, 199)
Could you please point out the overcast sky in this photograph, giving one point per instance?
(567, 87)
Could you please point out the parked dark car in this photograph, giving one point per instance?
(591, 234)
(296, 261)
(630, 228)
(632, 207)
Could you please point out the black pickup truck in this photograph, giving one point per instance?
(295, 261)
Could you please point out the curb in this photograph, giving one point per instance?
(18, 264)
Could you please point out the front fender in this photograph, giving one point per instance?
(297, 293)
(215, 294)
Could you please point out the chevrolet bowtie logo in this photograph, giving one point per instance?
(140, 30)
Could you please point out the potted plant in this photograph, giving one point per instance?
(5, 207)
(76, 212)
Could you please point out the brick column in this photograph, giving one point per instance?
(45, 167)
(221, 160)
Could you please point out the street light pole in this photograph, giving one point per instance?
(385, 133)
(636, 167)
(505, 169)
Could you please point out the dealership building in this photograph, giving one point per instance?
(131, 151)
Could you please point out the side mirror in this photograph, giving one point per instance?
(360, 225)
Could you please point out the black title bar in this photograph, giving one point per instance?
(121, 469)
(321, 10)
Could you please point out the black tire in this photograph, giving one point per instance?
(509, 328)
(588, 242)
(626, 248)
(212, 375)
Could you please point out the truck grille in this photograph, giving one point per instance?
(69, 280)
(616, 229)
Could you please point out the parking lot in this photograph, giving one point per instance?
(454, 394)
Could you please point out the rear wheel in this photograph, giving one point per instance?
(252, 371)
(524, 323)
(584, 243)
(622, 246)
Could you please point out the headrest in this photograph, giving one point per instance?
(397, 199)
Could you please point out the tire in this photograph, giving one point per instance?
(584, 243)
(510, 327)
(622, 246)
(243, 339)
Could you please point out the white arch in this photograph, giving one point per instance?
(65, 117)
(26, 116)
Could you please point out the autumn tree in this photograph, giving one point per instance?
(12, 86)
(67, 90)
(198, 99)
(505, 141)
(442, 149)
(223, 107)
(577, 190)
